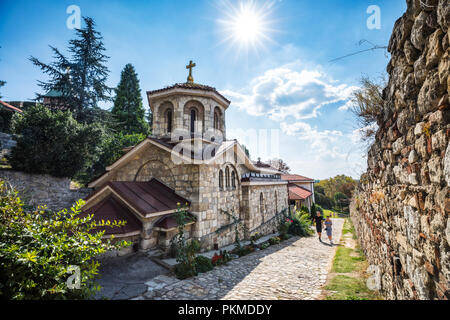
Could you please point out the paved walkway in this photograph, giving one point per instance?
(296, 269)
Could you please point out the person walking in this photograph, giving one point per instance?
(319, 222)
(329, 229)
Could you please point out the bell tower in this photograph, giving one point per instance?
(189, 108)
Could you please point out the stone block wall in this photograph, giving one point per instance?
(38, 189)
(401, 208)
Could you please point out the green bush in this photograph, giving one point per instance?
(203, 264)
(37, 250)
(274, 240)
(185, 249)
(53, 142)
(301, 225)
(265, 245)
(111, 148)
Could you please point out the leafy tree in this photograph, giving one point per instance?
(80, 78)
(52, 142)
(128, 109)
(247, 152)
(340, 199)
(111, 148)
(340, 183)
(280, 165)
(38, 249)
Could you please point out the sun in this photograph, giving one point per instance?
(246, 25)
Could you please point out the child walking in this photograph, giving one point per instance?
(329, 229)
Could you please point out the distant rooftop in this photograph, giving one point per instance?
(295, 177)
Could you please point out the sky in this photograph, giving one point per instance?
(271, 58)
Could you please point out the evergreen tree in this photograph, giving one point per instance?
(128, 110)
(2, 83)
(81, 78)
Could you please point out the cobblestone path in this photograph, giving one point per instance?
(296, 269)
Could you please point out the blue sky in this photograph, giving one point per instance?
(287, 83)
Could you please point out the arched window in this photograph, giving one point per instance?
(169, 121)
(193, 119)
(276, 202)
(217, 119)
(233, 179)
(221, 179)
(227, 177)
(261, 206)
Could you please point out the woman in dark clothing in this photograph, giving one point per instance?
(319, 221)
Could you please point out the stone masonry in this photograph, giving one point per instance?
(401, 208)
(43, 189)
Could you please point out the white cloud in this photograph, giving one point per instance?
(323, 142)
(348, 105)
(290, 91)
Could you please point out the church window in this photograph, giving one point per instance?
(227, 177)
(261, 206)
(233, 179)
(169, 121)
(276, 202)
(220, 179)
(193, 119)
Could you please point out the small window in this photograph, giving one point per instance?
(227, 177)
(233, 179)
(193, 119)
(221, 179)
(276, 202)
(261, 206)
(169, 121)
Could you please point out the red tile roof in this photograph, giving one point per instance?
(145, 197)
(10, 107)
(298, 193)
(111, 209)
(295, 177)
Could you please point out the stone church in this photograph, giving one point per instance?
(188, 161)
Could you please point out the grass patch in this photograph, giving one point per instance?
(346, 261)
(349, 288)
(349, 266)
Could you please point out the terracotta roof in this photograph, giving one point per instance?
(10, 107)
(193, 86)
(111, 209)
(169, 222)
(295, 177)
(145, 197)
(298, 193)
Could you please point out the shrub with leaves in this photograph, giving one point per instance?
(185, 250)
(301, 225)
(38, 250)
(53, 142)
(203, 264)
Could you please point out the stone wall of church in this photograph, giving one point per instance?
(216, 206)
(181, 114)
(257, 212)
(401, 208)
(153, 162)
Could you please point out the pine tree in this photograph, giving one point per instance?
(80, 78)
(128, 110)
(2, 83)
